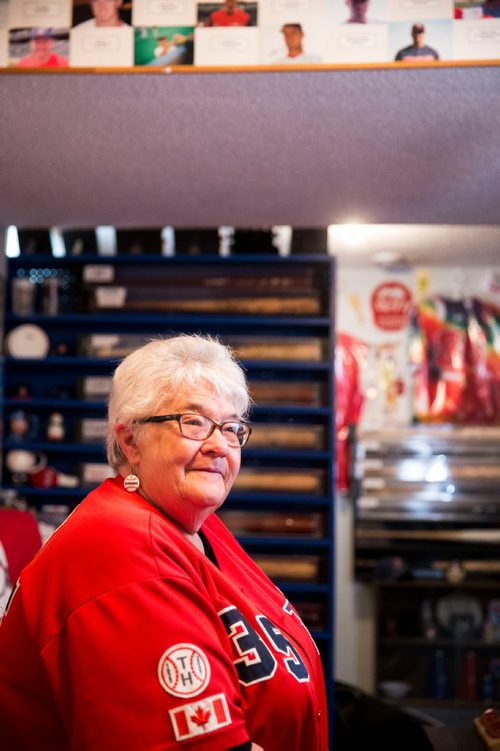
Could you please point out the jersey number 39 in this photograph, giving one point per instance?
(256, 661)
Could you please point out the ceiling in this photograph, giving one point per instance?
(388, 145)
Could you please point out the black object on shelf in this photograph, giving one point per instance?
(253, 241)
(138, 242)
(196, 242)
(363, 721)
(80, 241)
(34, 241)
(309, 240)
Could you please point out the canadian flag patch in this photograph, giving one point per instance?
(200, 717)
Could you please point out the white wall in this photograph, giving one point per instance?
(355, 632)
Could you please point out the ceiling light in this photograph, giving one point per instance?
(352, 233)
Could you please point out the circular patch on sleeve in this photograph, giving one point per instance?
(184, 670)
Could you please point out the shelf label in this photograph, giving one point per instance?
(372, 464)
(367, 502)
(110, 297)
(96, 386)
(94, 472)
(373, 483)
(103, 340)
(371, 445)
(94, 272)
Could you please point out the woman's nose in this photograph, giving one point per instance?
(216, 442)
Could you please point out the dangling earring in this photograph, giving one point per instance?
(131, 483)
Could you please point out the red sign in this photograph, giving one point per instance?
(391, 302)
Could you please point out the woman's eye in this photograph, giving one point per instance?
(194, 420)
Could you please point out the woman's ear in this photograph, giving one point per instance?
(128, 444)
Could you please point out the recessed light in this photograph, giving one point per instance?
(352, 233)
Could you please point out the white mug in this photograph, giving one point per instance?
(25, 462)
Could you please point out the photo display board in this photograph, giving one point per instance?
(164, 33)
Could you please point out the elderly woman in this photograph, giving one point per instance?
(142, 624)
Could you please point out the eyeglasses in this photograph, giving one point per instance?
(200, 427)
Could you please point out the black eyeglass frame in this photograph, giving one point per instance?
(215, 424)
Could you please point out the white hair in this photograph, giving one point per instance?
(160, 369)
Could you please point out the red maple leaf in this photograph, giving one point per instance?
(201, 716)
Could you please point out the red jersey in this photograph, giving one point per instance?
(122, 635)
(53, 61)
(221, 17)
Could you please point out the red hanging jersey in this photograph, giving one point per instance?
(222, 18)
